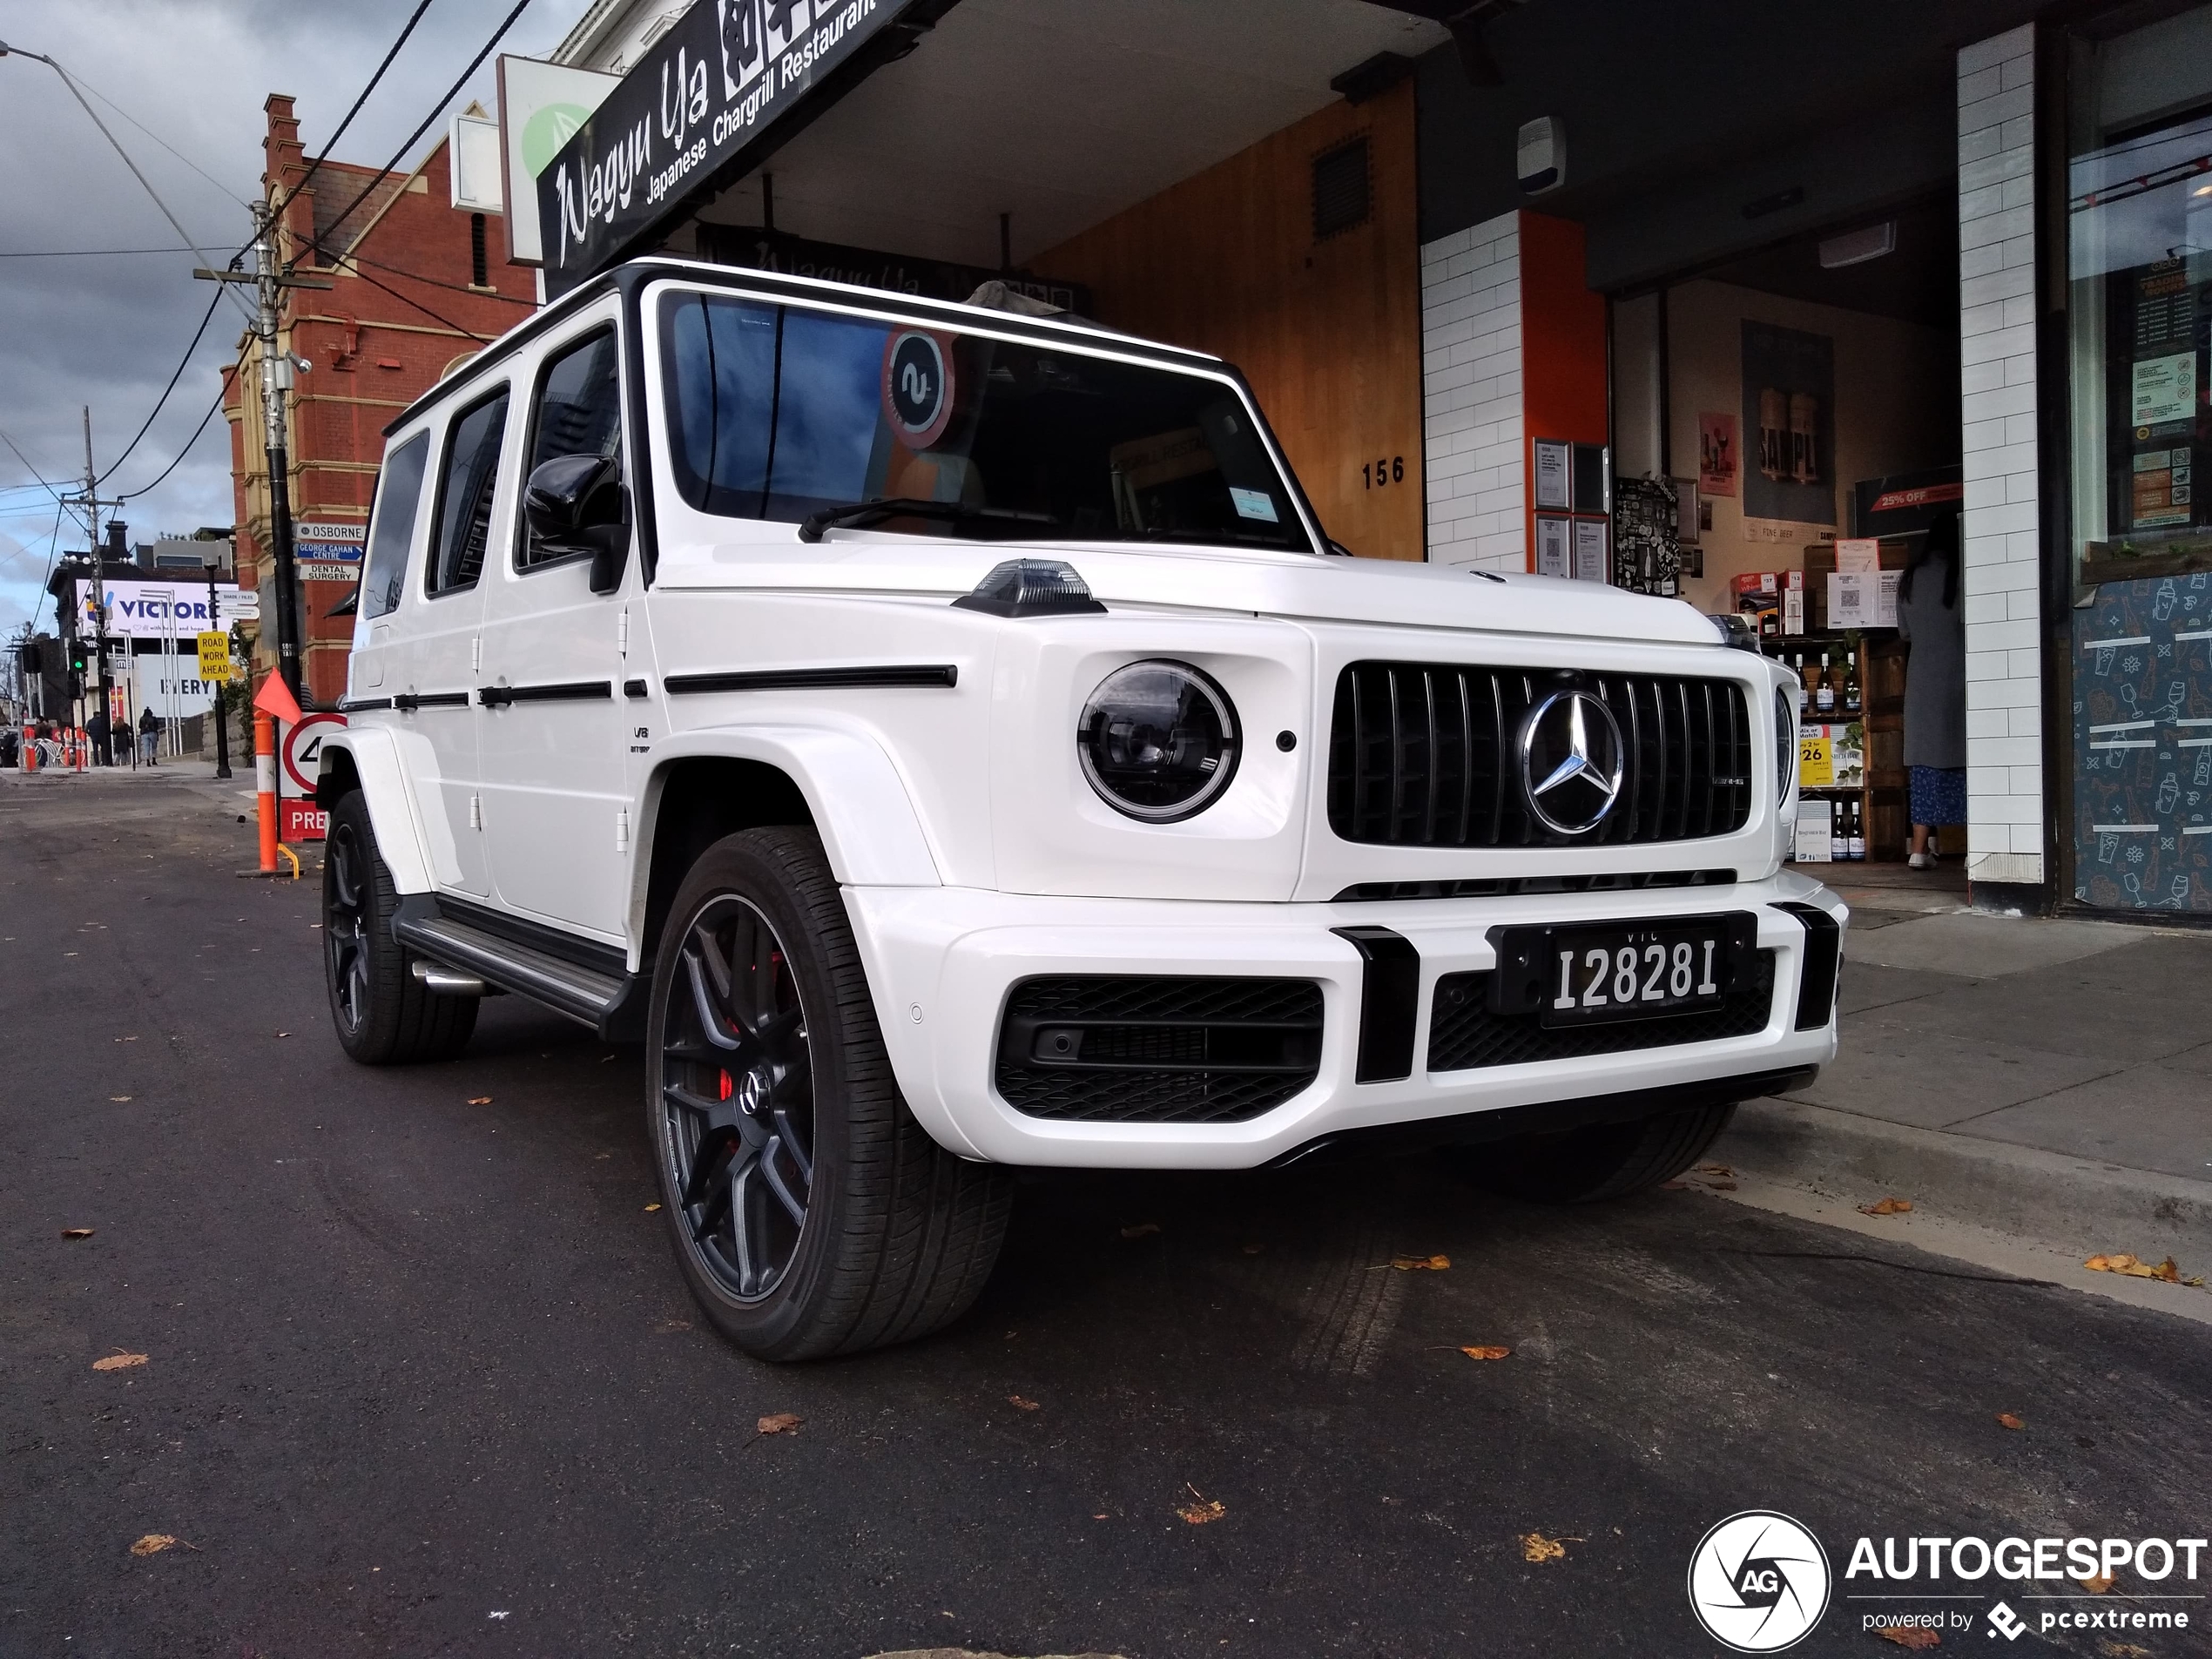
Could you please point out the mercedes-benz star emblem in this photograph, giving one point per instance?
(1572, 762)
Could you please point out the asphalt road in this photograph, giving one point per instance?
(421, 1379)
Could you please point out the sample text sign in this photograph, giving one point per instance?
(707, 90)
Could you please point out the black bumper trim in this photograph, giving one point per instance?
(1547, 1117)
(1820, 979)
(1390, 1002)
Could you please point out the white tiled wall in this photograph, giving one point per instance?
(1471, 396)
(1997, 360)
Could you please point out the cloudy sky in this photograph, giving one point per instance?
(106, 330)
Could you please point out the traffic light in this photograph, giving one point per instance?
(34, 658)
(78, 656)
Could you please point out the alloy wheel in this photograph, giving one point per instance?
(345, 929)
(737, 1097)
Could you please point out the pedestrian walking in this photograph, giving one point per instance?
(149, 737)
(96, 731)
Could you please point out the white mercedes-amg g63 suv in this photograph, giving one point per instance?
(947, 740)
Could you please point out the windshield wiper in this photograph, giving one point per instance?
(860, 514)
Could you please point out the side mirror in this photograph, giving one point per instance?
(577, 504)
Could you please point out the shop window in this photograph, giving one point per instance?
(1343, 190)
(2139, 255)
(2139, 302)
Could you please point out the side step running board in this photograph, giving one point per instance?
(610, 1004)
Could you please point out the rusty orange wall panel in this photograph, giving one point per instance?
(1563, 348)
(1327, 332)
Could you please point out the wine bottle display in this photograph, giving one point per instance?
(1823, 689)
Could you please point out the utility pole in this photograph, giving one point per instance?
(277, 367)
(222, 714)
(99, 581)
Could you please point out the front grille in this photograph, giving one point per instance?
(1426, 754)
(1129, 1049)
(1463, 1034)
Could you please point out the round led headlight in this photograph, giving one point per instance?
(1158, 741)
(1785, 743)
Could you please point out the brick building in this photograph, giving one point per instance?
(420, 285)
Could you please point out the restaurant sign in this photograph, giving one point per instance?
(707, 90)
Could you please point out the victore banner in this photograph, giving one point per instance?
(708, 91)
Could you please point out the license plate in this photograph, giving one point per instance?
(1614, 971)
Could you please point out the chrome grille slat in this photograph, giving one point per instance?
(1413, 762)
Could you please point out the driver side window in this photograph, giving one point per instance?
(577, 412)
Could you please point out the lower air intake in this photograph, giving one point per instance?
(1140, 1048)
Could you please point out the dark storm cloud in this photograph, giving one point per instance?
(107, 331)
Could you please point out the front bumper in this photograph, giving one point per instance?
(941, 960)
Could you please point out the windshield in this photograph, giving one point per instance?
(778, 412)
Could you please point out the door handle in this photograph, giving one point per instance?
(496, 696)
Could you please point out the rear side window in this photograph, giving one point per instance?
(399, 493)
(578, 412)
(465, 491)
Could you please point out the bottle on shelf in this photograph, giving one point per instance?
(1798, 664)
(1854, 696)
(1839, 832)
(1857, 851)
(1823, 690)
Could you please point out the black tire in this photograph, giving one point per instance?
(790, 1091)
(384, 1014)
(1600, 1161)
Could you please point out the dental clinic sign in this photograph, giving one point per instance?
(708, 91)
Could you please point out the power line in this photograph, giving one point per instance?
(482, 339)
(69, 81)
(182, 364)
(228, 193)
(32, 470)
(278, 211)
(85, 252)
(451, 287)
(452, 91)
(129, 493)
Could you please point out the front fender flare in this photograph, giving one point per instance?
(375, 757)
(862, 806)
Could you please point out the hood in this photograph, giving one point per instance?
(1302, 587)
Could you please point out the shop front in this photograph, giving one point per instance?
(2137, 676)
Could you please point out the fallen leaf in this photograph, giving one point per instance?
(77, 1233)
(2122, 1651)
(1720, 1186)
(284, 1034)
(153, 1543)
(2097, 1585)
(480, 1100)
(1144, 1229)
(1199, 1513)
(1485, 1353)
(1886, 1207)
(1420, 1263)
(667, 1325)
(119, 1099)
(651, 1208)
(1025, 1404)
(2133, 1268)
(1534, 1547)
(1716, 1168)
(779, 1423)
(2012, 1420)
(1914, 1638)
(120, 1362)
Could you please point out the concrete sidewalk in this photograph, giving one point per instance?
(2045, 1083)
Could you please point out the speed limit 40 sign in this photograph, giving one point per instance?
(299, 757)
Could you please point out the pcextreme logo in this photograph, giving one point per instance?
(1758, 1582)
